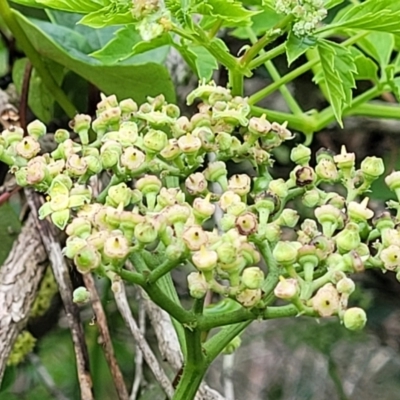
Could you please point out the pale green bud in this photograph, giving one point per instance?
(253, 277)
(36, 129)
(81, 295)
(354, 318)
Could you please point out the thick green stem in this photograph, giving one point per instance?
(36, 60)
(236, 82)
(266, 56)
(163, 269)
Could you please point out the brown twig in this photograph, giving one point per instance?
(138, 381)
(61, 274)
(23, 108)
(105, 338)
(20, 276)
(150, 358)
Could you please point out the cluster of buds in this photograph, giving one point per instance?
(152, 18)
(166, 197)
(307, 14)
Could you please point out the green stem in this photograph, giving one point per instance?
(290, 100)
(219, 341)
(258, 96)
(215, 28)
(236, 82)
(163, 269)
(36, 60)
(269, 37)
(267, 55)
(376, 110)
(115, 180)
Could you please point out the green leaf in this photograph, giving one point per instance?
(338, 69)
(296, 46)
(77, 6)
(120, 47)
(231, 12)
(379, 45)
(260, 23)
(10, 227)
(40, 99)
(332, 3)
(107, 16)
(373, 15)
(366, 68)
(200, 60)
(136, 80)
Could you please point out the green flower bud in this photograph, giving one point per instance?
(181, 126)
(239, 184)
(149, 186)
(311, 198)
(354, 318)
(237, 209)
(372, 168)
(278, 187)
(224, 141)
(55, 168)
(204, 92)
(155, 140)
(288, 217)
(112, 116)
(116, 247)
(197, 284)
(13, 134)
(227, 252)
(324, 154)
(259, 126)
(28, 147)
(326, 170)
(326, 301)
(145, 232)
(97, 239)
(330, 219)
(76, 166)
(324, 246)
(207, 137)
(87, 259)
(205, 261)
(60, 218)
(345, 161)
(247, 224)
(228, 199)
(177, 214)
(79, 227)
(272, 232)
(169, 197)
(36, 171)
(81, 295)
(172, 110)
(303, 176)
(21, 176)
(358, 212)
(217, 172)
(232, 346)
(132, 159)
(383, 221)
(308, 258)
(285, 253)
(171, 151)
(107, 102)
(61, 184)
(196, 184)
(345, 285)
(81, 125)
(128, 107)
(301, 155)
(391, 257)
(73, 246)
(250, 254)
(36, 129)
(393, 182)
(286, 289)
(176, 250)
(110, 154)
(93, 164)
(194, 237)
(253, 277)
(119, 194)
(189, 144)
(249, 298)
(203, 209)
(227, 222)
(348, 239)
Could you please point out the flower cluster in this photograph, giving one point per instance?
(307, 14)
(170, 194)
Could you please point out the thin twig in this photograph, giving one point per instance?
(101, 321)
(150, 358)
(23, 107)
(138, 381)
(46, 378)
(228, 363)
(61, 274)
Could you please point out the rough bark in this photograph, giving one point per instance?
(20, 277)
